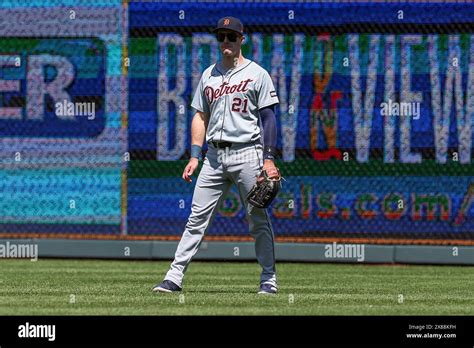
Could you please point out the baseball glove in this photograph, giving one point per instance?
(264, 191)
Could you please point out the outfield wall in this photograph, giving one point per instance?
(354, 167)
(245, 251)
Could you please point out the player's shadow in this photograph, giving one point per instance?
(220, 291)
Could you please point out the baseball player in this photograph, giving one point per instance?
(234, 104)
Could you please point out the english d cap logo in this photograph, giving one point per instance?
(230, 23)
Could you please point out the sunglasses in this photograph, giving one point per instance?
(232, 37)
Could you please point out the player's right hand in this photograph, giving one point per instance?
(190, 168)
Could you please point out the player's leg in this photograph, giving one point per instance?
(244, 171)
(211, 188)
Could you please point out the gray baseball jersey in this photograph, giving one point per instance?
(232, 100)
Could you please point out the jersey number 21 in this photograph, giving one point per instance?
(237, 105)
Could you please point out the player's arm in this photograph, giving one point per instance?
(198, 134)
(198, 128)
(267, 115)
(266, 100)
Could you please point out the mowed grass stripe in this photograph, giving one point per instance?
(104, 287)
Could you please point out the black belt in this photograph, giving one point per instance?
(221, 144)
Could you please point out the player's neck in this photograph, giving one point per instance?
(228, 62)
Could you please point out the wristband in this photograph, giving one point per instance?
(196, 151)
(269, 152)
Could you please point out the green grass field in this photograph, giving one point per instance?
(100, 287)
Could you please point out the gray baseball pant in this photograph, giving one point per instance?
(238, 165)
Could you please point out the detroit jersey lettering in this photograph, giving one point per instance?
(232, 100)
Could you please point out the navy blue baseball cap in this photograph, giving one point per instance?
(230, 23)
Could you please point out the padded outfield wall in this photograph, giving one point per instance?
(351, 170)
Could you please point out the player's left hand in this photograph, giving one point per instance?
(270, 168)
